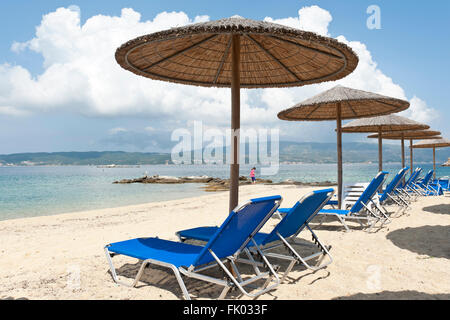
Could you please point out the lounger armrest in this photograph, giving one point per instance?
(274, 198)
(284, 210)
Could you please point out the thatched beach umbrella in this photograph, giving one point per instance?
(237, 52)
(433, 143)
(410, 135)
(383, 124)
(340, 103)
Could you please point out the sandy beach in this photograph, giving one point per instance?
(61, 256)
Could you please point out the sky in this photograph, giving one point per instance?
(62, 90)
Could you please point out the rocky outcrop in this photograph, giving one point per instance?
(212, 184)
(168, 179)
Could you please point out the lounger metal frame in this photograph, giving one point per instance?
(426, 185)
(294, 256)
(232, 281)
(371, 214)
(392, 196)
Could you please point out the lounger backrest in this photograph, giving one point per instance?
(416, 177)
(300, 214)
(235, 232)
(368, 193)
(411, 177)
(394, 183)
(427, 177)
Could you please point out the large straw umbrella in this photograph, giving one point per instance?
(340, 103)
(433, 143)
(383, 124)
(410, 135)
(237, 52)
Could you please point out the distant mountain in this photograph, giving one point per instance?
(355, 152)
(311, 152)
(85, 158)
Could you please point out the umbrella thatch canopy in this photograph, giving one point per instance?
(342, 103)
(237, 52)
(433, 143)
(271, 55)
(382, 124)
(387, 123)
(409, 134)
(354, 104)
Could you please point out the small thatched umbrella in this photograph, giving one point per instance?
(410, 135)
(340, 103)
(237, 52)
(383, 124)
(433, 143)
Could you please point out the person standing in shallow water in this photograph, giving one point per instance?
(252, 175)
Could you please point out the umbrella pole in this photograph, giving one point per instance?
(403, 151)
(380, 150)
(434, 163)
(339, 153)
(403, 154)
(235, 121)
(411, 155)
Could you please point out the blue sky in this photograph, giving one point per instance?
(411, 48)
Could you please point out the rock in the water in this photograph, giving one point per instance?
(214, 184)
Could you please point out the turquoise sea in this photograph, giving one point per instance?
(37, 191)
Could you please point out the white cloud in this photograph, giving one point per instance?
(311, 18)
(11, 111)
(420, 111)
(81, 75)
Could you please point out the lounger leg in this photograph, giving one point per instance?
(297, 256)
(235, 270)
(224, 293)
(378, 218)
(343, 223)
(272, 272)
(288, 269)
(238, 283)
(399, 204)
(181, 283)
(383, 212)
(252, 262)
(111, 266)
(406, 200)
(323, 248)
(114, 274)
(141, 271)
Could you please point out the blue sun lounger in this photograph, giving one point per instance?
(427, 187)
(389, 195)
(443, 182)
(409, 188)
(225, 245)
(361, 209)
(294, 220)
(414, 176)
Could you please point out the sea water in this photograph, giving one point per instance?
(46, 190)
